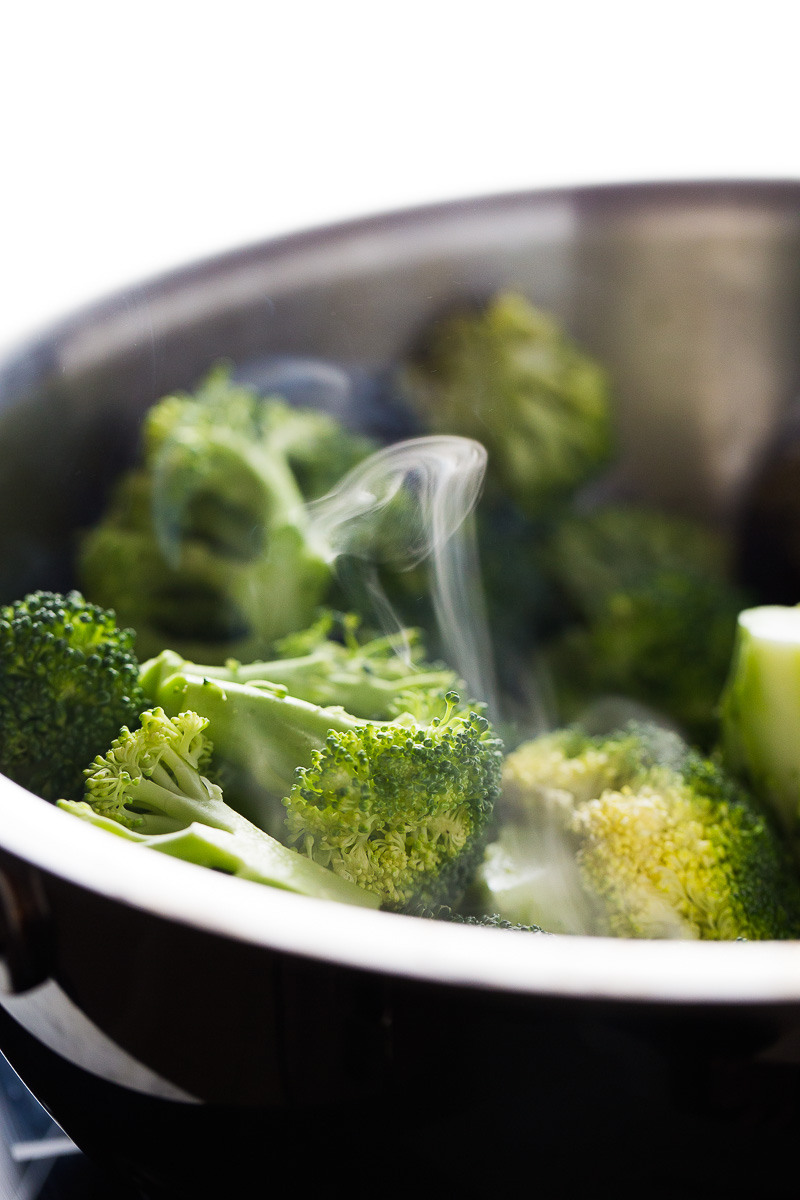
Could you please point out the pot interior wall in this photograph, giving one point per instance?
(689, 294)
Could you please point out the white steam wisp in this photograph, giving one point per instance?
(410, 503)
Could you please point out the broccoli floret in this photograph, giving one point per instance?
(509, 377)
(318, 448)
(642, 592)
(367, 678)
(68, 681)
(206, 546)
(401, 807)
(636, 836)
(150, 788)
(761, 709)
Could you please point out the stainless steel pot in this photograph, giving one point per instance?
(186, 1026)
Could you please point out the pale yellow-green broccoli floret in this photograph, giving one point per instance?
(658, 861)
(564, 769)
(636, 836)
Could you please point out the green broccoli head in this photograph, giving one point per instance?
(398, 806)
(594, 555)
(400, 809)
(206, 546)
(154, 777)
(150, 788)
(318, 449)
(69, 681)
(642, 591)
(509, 377)
(636, 836)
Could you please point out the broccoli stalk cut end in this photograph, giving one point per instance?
(761, 708)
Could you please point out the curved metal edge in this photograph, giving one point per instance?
(585, 967)
(41, 347)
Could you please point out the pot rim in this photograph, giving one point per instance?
(437, 952)
(781, 191)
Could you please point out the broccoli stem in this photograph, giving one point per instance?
(366, 680)
(242, 850)
(401, 807)
(356, 690)
(265, 733)
(200, 801)
(761, 708)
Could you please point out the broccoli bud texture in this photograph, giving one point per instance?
(636, 836)
(149, 788)
(69, 679)
(400, 806)
(205, 547)
(510, 377)
(402, 810)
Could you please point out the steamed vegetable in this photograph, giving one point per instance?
(68, 681)
(635, 835)
(650, 614)
(327, 664)
(508, 376)
(761, 708)
(400, 807)
(150, 787)
(367, 778)
(205, 547)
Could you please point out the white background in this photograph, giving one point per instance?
(138, 136)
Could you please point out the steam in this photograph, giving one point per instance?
(409, 504)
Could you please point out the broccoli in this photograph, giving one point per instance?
(206, 546)
(150, 788)
(636, 835)
(68, 681)
(649, 614)
(319, 449)
(509, 377)
(761, 709)
(369, 679)
(401, 807)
